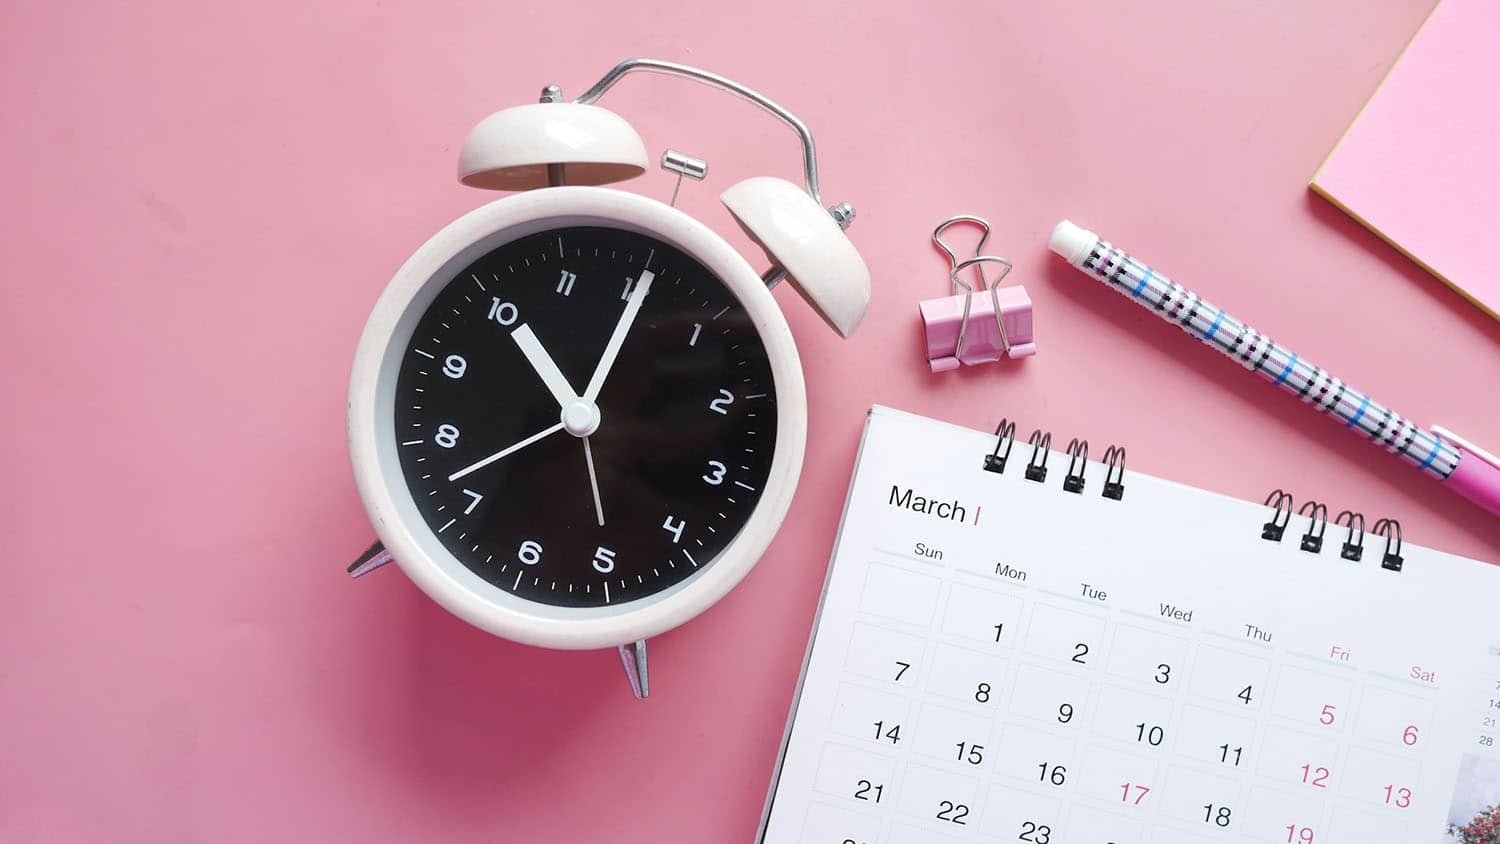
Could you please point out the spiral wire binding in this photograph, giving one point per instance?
(1390, 560)
(1005, 434)
(1078, 460)
(1041, 443)
(1114, 478)
(1353, 547)
(1281, 503)
(1317, 514)
(1078, 463)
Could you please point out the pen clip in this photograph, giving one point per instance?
(1467, 446)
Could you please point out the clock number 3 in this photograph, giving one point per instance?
(716, 472)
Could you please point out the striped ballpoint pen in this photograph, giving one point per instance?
(1461, 466)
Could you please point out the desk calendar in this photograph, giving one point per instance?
(999, 658)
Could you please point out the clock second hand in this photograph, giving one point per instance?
(562, 391)
(474, 467)
(606, 362)
(557, 384)
(588, 455)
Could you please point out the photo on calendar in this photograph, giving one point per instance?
(1474, 815)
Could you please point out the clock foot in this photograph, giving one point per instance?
(374, 557)
(633, 657)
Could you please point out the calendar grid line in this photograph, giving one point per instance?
(911, 558)
(1075, 599)
(1405, 681)
(1239, 640)
(1167, 622)
(1324, 662)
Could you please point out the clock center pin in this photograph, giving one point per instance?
(580, 418)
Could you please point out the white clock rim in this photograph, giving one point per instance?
(372, 442)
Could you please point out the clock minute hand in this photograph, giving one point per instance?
(505, 452)
(545, 367)
(617, 339)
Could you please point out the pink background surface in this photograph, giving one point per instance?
(204, 199)
(1426, 143)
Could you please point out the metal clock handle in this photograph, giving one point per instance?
(723, 83)
(842, 213)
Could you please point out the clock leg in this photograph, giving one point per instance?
(374, 557)
(633, 657)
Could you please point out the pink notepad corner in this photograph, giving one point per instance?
(1420, 166)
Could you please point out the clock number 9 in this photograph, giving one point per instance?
(455, 366)
(530, 553)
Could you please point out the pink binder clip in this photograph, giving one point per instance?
(963, 330)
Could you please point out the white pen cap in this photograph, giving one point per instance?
(1072, 242)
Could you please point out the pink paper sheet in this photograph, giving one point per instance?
(1419, 166)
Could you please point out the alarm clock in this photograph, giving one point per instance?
(576, 414)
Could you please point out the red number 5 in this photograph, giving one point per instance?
(1327, 717)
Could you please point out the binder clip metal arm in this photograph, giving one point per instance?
(961, 329)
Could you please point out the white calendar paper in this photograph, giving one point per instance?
(999, 660)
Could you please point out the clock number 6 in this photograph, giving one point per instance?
(716, 472)
(530, 553)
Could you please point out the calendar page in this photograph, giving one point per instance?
(999, 660)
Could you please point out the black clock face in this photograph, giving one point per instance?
(585, 416)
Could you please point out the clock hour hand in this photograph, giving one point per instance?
(545, 367)
(617, 339)
(504, 452)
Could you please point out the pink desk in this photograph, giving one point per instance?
(203, 200)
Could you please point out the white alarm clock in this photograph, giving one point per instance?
(577, 415)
